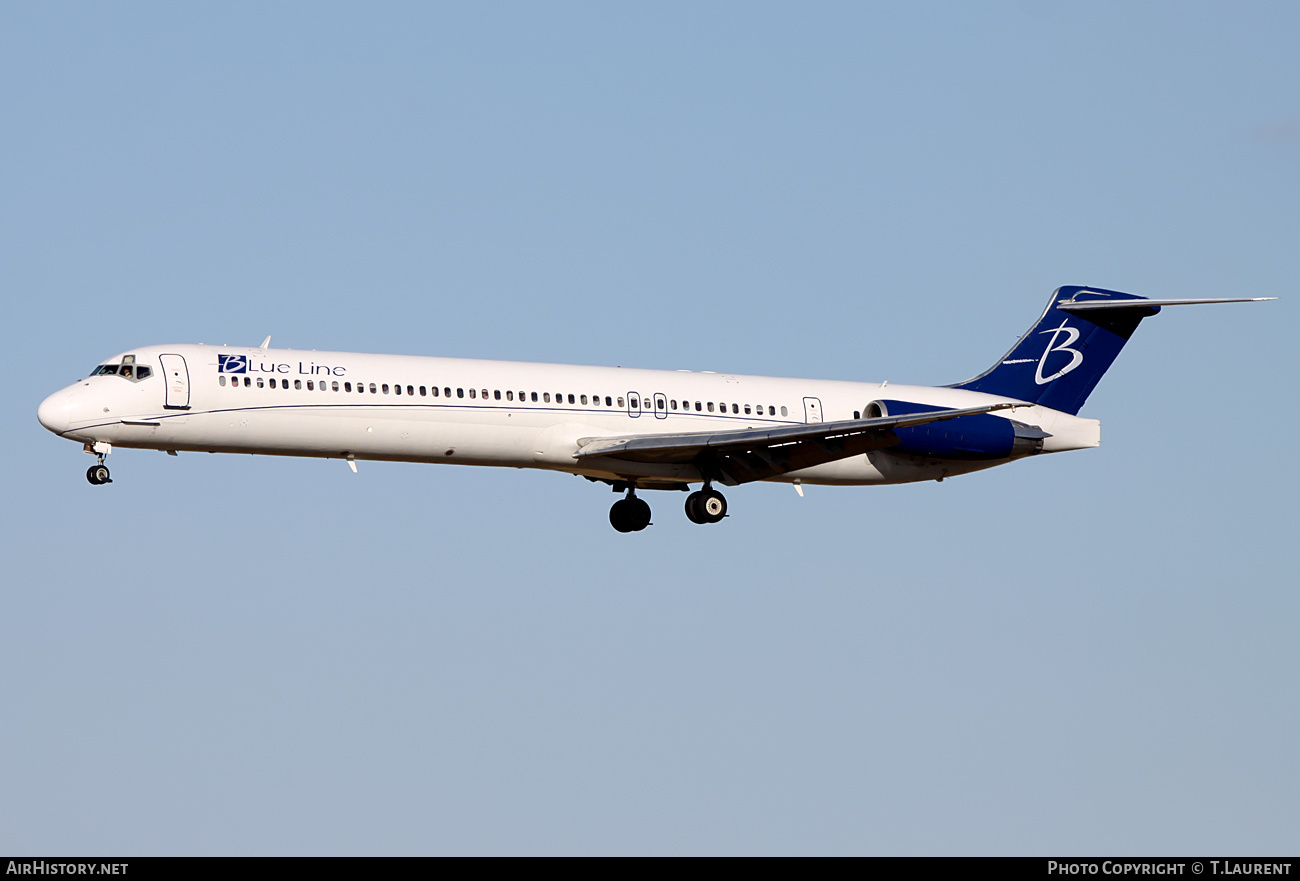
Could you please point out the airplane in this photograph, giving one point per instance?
(632, 429)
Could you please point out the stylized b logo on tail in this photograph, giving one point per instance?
(1076, 357)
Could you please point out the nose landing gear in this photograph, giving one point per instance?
(98, 474)
(629, 514)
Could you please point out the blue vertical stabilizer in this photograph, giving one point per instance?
(1060, 360)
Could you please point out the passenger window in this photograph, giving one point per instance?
(260, 384)
(546, 397)
(311, 386)
(297, 383)
(746, 409)
(221, 380)
(410, 390)
(336, 386)
(636, 405)
(446, 392)
(673, 404)
(583, 400)
(460, 393)
(608, 404)
(485, 394)
(271, 381)
(423, 393)
(710, 406)
(496, 394)
(771, 411)
(620, 403)
(571, 400)
(783, 411)
(697, 406)
(510, 396)
(735, 408)
(857, 415)
(372, 388)
(247, 382)
(473, 393)
(534, 397)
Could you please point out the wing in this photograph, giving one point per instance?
(750, 454)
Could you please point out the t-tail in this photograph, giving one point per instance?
(1060, 360)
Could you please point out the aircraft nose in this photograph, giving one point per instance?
(55, 412)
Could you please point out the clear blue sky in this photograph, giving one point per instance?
(1088, 653)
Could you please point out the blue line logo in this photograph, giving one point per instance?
(1076, 357)
(232, 363)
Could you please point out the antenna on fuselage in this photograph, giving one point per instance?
(266, 342)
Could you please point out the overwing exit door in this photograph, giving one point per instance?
(812, 410)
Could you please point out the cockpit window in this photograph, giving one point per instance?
(132, 371)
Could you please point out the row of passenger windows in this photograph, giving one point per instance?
(508, 395)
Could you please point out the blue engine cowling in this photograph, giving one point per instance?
(983, 436)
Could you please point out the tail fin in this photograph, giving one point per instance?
(1060, 360)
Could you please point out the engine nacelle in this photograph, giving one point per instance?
(983, 436)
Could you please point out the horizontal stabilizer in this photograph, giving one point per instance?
(1092, 305)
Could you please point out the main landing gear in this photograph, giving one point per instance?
(706, 506)
(631, 514)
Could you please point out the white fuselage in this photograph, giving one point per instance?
(470, 412)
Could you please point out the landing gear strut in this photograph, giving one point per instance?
(706, 506)
(629, 514)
